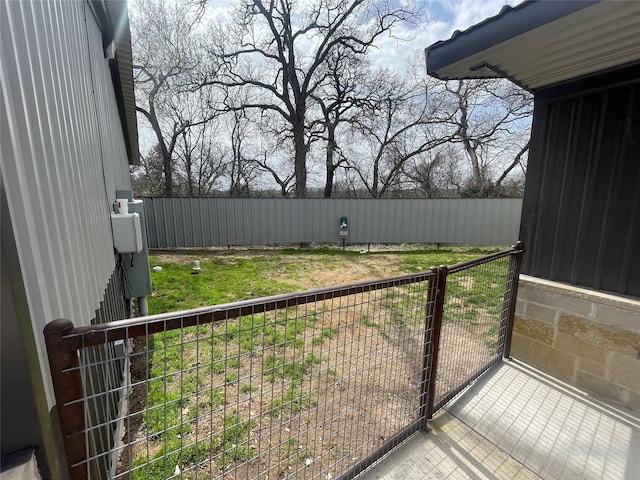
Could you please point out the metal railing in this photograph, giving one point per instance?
(318, 384)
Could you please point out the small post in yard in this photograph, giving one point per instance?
(515, 265)
(67, 385)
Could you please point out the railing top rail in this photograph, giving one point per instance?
(111, 331)
(518, 248)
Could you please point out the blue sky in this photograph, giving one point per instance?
(441, 19)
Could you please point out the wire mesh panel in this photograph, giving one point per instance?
(102, 376)
(318, 384)
(300, 391)
(474, 324)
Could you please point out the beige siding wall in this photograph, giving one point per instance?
(584, 337)
(63, 157)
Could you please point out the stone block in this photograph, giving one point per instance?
(628, 319)
(625, 370)
(560, 301)
(604, 389)
(591, 366)
(539, 331)
(525, 349)
(561, 365)
(633, 401)
(520, 306)
(620, 340)
(542, 313)
(582, 348)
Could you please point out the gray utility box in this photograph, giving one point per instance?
(127, 235)
(137, 275)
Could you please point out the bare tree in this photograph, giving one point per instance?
(491, 123)
(278, 48)
(203, 164)
(339, 101)
(147, 179)
(164, 56)
(396, 128)
(438, 173)
(242, 169)
(283, 180)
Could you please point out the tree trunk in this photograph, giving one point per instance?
(477, 180)
(300, 162)
(331, 147)
(166, 156)
(168, 174)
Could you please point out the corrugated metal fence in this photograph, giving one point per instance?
(205, 222)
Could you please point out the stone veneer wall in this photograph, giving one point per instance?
(584, 337)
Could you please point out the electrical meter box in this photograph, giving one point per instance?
(138, 271)
(127, 234)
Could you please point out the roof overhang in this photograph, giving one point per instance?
(113, 19)
(542, 42)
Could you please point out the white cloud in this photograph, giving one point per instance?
(467, 13)
(441, 19)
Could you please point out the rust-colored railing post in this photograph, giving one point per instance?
(441, 286)
(515, 264)
(427, 343)
(67, 384)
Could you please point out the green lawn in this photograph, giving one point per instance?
(230, 275)
(198, 372)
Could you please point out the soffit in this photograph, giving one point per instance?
(585, 38)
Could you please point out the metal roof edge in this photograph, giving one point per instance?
(509, 23)
(113, 20)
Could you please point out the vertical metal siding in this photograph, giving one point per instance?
(581, 207)
(204, 222)
(63, 156)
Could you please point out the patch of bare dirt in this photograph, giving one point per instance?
(359, 361)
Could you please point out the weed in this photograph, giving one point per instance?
(491, 342)
(279, 367)
(289, 448)
(312, 359)
(176, 289)
(164, 407)
(246, 388)
(368, 323)
(216, 398)
(173, 453)
(179, 369)
(326, 333)
(233, 440)
(295, 398)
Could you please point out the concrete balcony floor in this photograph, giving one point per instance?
(517, 423)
